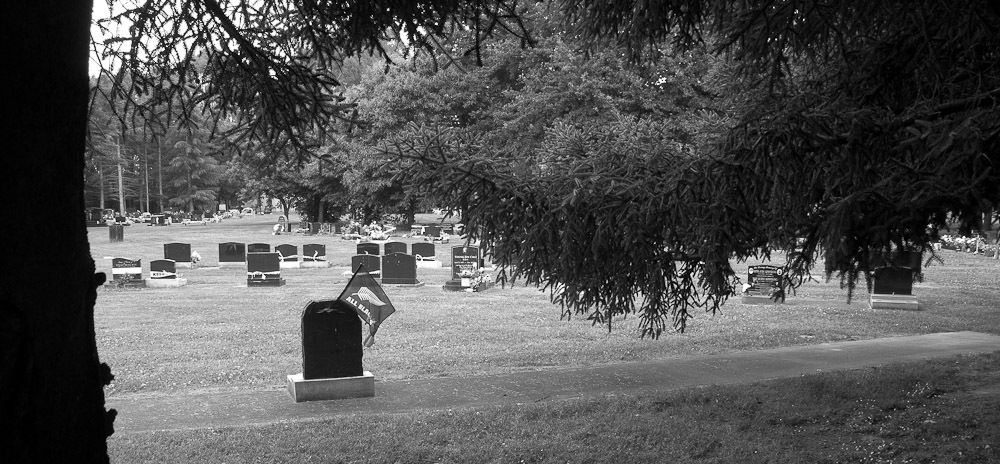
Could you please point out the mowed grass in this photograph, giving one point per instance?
(935, 411)
(217, 334)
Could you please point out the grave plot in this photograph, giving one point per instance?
(765, 285)
(232, 254)
(163, 274)
(424, 254)
(264, 270)
(179, 253)
(289, 256)
(126, 273)
(314, 255)
(400, 269)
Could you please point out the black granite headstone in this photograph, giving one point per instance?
(423, 251)
(892, 281)
(331, 341)
(126, 271)
(178, 252)
(765, 281)
(372, 262)
(287, 253)
(162, 269)
(258, 248)
(399, 268)
(464, 259)
(264, 270)
(232, 252)
(433, 231)
(368, 249)
(313, 252)
(395, 247)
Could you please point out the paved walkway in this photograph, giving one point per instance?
(144, 413)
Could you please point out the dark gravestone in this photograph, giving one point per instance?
(464, 259)
(178, 252)
(264, 270)
(368, 249)
(331, 341)
(315, 228)
(232, 252)
(400, 269)
(127, 271)
(372, 262)
(423, 251)
(116, 233)
(433, 231)
(765, 283)
(287, 253)
(313, 252)
(892, 281)
(162, 269)
(258, 248)
(395, 247)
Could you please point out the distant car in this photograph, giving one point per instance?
(247, 211)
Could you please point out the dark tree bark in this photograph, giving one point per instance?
(51, 380)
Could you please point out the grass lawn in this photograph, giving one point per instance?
(215, 334)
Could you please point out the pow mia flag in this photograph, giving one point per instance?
(366, 297)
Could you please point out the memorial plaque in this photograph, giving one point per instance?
(264, 270)
(287, 253)
(178, 252)
(399, 269)
(331, 341)
(395, 247)
(368, 249)
(464, 259)
(258, 248)
(313, 252)
(162, 269)
(372, 262)
(424, 251)
(127, 271)
(765, 281)
(232, 252)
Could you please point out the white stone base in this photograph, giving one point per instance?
(909, 302)
(429, 264)
(289, 265)
(331, 389)
(232, 264)
(314, 264)
(166, 283)
(182, 264)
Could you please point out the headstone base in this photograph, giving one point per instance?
(880, 301)
(166, 283)
(314, 264)
(402, 284)
(760, 300)
(266, 283)
(228, 264)
(456, 286)
(301, 390)
(290, 265)
(429, 264)
(182, 264)
(131, 284)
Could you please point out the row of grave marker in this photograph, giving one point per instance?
(264, 268)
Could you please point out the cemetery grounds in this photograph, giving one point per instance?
(217, 335)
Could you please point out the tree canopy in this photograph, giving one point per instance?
(620, 164)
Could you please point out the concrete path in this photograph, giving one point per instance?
(140, 413)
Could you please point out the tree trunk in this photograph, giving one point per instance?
(159, 172)
(121, 184)
(51, 379)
